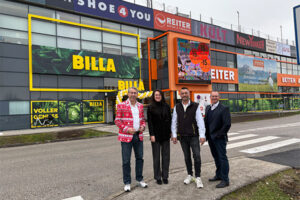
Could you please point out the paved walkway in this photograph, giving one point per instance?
(243, 171)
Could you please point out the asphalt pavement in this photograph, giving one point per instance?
(91, 169)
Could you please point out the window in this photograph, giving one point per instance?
(68, 31)
(93, 46)
(129, 41)
(68, 43)
(11, 22)
(18, 107)
(127, 51)
(43, 27)
(144, 33)
(67, 17)
(11, 36)
(112, 49)
(231, 87)
(111, 38)
(13, 8)
(41, 11)
(43, 40)
(92, 35)
(129, 29)
(90, 21)
(111, 25)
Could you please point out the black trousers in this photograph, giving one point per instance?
(218, 151)
(161, 149)
(188, 143)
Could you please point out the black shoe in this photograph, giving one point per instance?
(158, 182)
(215, 178)
(165, 181)
(222, 184)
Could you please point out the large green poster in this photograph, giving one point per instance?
(44, 114)
(50, 60)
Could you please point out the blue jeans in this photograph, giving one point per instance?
(188, 143)
(218, 151)
(126, 157)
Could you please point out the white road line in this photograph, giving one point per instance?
(271, 146)
(248, 142)
(241, 137)
(74, 198)
(231, 134)
(271, 127)
(238, 137)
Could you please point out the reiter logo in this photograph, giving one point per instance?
(160, 20)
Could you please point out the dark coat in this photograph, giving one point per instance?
(220, 123)
(159, 121)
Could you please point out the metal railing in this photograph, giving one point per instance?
(158, 5)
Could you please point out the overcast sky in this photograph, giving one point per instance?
(263, 15)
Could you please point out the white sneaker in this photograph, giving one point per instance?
(188, 179)
(127, 188)
(199, 182)
(142, 184)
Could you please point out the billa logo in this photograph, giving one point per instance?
(160, 20)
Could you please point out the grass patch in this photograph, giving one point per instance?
(40, 138)
(284, 185)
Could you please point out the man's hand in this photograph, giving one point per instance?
(142, 128)
(174, 139)
(202, 141)
(152, 138)
(131, 130)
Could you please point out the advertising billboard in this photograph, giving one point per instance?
(212, 32)
(271, 46)
(297, 30)
(250, 42)
(193, 62)
(50, 60)
(44, 114)
(257, 74)
(283, 49)
(288, 80)
(168, 22)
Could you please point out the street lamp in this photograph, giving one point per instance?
(238, 13)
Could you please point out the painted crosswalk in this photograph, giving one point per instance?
(248, 142)
(271, 146)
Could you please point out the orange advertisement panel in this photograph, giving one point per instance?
(166, 21)
(224, 75)
(258, 63)
(288, 80)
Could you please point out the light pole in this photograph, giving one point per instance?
(238, 13)
(280, 33)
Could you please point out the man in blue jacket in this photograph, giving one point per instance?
(217, 123)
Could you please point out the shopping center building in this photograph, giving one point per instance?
(69, 62)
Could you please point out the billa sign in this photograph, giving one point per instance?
(168, 22)
(250, 42)
(60, 61)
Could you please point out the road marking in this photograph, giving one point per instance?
(271, 127)
(244, 143)
(74, 198)
(231, 134)
(271, 146)
(241, 137)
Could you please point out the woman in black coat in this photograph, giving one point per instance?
(159, 122)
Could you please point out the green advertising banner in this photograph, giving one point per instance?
(93, 111)
(55, 113)
(50, 60)
(44, 114)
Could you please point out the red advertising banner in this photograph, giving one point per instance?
(288, 80)
(165, 21)
(224, 75)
